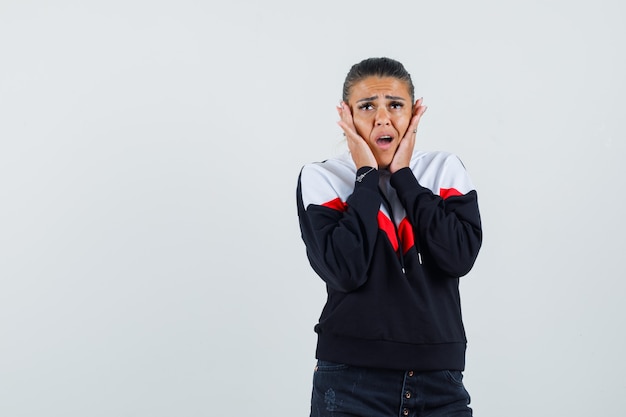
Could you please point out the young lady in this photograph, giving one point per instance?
(390, 230)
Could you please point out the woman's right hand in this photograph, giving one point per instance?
(359, 149)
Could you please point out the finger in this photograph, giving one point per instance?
(342, 122)
(418, 111)
(347, 132)
(346, 121)
(346, 115)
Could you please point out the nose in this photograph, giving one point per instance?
(382, 117)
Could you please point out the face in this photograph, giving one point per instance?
(381, 110)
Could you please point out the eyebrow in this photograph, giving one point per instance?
(375, 97)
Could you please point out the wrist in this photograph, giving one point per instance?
(395, 168)
(362, 172)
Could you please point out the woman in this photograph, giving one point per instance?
(390, 230)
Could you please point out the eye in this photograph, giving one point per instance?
(396, 105)
(366, 106)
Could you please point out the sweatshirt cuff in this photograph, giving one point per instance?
(403, 180)
(366, 177)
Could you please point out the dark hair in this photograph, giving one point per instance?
(378, 67)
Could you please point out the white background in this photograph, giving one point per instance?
(150, 256)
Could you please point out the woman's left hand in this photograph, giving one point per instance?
(403, 154)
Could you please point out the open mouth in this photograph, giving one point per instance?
(384, 139)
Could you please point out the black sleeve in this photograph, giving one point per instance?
(447, 231)
(340, 237)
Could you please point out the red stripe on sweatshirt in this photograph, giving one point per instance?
(449, 192)
(336, 204)
(405, 230)
(386, 226)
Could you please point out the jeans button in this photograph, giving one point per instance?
(410, 373)
(407, 395)
(405, 412)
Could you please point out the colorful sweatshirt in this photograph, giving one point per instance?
(391, 249)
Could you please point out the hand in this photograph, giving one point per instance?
(402, 157)
(359, 149)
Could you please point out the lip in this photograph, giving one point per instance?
(384, 141)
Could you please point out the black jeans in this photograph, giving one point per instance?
(341, 390)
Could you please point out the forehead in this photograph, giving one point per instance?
(379, 86)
